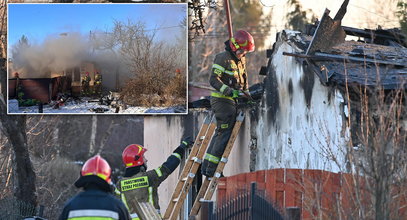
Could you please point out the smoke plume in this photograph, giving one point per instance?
(64, 51)
(55, 54)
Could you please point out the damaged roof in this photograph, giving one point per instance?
(378, 57)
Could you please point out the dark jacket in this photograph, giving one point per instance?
(228, 71)
(96, 201)
(139, 185)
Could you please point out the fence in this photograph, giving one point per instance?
(12, 209)
(250, 205)
(318, 194)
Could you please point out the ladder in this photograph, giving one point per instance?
(146, 211)
(209, 185)
(190, 168)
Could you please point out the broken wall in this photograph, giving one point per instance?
(301, 122)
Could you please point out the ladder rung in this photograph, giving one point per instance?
(197, 160)
(184, 179)
(224, 160)
(175, 200)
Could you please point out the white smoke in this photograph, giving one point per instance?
(55, 54)
(65, 51)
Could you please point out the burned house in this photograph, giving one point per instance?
(334, 100)
(315, 88)
(47, 87)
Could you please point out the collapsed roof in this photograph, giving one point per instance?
(377, 58)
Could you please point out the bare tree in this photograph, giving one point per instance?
(14, 128)
(153, 64)
(381, 138)
(373, 183)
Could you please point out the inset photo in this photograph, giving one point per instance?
(97, 58)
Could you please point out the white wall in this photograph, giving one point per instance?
(162, 134)
(301, 137)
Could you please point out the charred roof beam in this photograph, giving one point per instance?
(325, 56)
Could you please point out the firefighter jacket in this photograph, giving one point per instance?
(95, 202)
(228, 72)
(85, 80)
(139, 185)
(98, 79)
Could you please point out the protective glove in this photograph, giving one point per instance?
(232, 92)
(187, 142)
(228, 91)
(236, 94)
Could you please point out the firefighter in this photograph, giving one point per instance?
(18, 88)
(97, 200)
(85, 84)
(147, 181)
(229, 78)
(98, 84)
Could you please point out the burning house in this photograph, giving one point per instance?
(46, 87)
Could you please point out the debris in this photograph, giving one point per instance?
(99, 110)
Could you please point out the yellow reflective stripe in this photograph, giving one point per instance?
(211, 158)
(117, 192)
(134, 216)
(134, 183)
(224, 125)
(219, 67)
(94, 213)
(124, 200)
(92, 218)
(177, 155)
(158, 171)
(218, 95)
(234, 42)
(217, 72)
(223, 88)
(104, 177)
(244, 44)
(232, 73)
(150, 195)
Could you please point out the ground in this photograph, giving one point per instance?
(90, 107)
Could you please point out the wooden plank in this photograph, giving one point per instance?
(146, 211)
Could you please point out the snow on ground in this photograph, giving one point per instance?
(87, 107)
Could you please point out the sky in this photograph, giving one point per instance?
(37, 21)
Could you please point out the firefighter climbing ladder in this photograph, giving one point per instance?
(209, 185)
(190, 169)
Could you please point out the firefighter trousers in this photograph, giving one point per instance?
(225, 111)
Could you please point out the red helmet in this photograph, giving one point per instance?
(97, 166)
(133, 155)
(242, 40)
